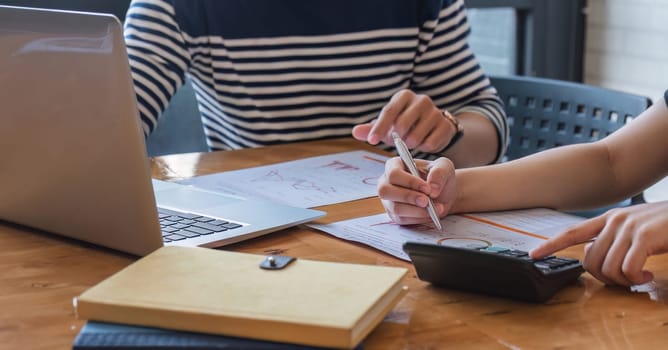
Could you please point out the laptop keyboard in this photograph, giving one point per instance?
(176, 225)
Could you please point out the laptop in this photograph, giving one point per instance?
(73, 160)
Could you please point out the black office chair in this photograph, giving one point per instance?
(546, 113)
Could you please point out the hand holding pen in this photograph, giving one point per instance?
(405, 155)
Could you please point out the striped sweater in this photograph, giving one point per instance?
(274, 71)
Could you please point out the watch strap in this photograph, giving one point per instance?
(458, 127)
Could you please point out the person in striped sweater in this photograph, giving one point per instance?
(274, 71)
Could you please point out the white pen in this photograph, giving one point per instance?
(406, 157)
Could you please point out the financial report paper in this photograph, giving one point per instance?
(517, 229)
(305, 183)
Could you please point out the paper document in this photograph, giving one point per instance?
(305, 183)
(517, 229)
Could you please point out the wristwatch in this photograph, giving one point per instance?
(458, 127)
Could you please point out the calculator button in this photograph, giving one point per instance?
(567, 261)
(515, 253)
(555, 264)
(542, 265)
(494, 249)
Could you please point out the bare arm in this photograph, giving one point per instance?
(445, 77)
(573, 177)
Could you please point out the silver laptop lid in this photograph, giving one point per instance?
(60, 72)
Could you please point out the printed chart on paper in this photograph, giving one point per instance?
(518, 229)
(306, 183)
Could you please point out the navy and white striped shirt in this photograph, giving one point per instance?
(275, 71)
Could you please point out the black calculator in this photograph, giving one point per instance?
(493, 270)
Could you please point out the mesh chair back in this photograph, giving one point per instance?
(545, 113)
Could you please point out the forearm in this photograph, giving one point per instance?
(479, 145)
(568, 177)
(455, 81)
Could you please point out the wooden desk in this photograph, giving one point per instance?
(41, 273)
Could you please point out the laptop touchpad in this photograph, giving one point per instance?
(190, 198)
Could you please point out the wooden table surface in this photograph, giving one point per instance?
(41, 274)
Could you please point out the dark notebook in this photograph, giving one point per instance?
(112, 336)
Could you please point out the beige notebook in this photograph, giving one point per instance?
(205, 290)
